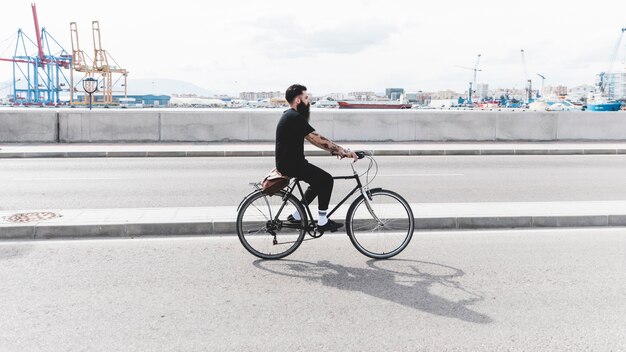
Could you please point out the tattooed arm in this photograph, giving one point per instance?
(324, 143)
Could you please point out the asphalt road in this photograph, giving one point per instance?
(464, 291)
(196, 182)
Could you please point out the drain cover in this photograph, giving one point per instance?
(31, 217)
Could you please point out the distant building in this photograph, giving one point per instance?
(509, 93)
(250, 96)
(482, 91)
(362, 95)
(558, 91)
(187, 101)
(420, 98)
(411, 97)
(148, 100)
(394, 93)
(336, 96)
(446, 94)
(582, 91)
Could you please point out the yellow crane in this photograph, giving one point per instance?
(101, 65)
(107, 75)
(79, 63)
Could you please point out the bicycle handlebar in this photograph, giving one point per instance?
(359, 153)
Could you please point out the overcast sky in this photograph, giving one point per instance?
(337, 46)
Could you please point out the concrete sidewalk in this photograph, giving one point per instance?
(89, 223)
(267, 149)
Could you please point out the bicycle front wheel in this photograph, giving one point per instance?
(263, 228)
(382, 227)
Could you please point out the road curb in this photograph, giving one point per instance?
(269, 153)
(41, 231)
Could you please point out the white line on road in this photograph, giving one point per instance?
(421, 175)
(66, 179)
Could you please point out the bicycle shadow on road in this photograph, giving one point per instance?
(425, 286)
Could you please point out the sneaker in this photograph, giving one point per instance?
(329, 226)
(293, 220)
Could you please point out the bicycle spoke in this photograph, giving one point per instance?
(389, 233)
(257, 208)
(257, 231)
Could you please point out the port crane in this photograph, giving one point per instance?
(529, 86)
(603, 82)
(38, 79)
(100, 68)
(543, 79)
(79, 62)
(473, 82)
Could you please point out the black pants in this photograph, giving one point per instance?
(320, 184)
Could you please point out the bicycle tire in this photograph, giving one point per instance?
(246, 225)
(396, 210)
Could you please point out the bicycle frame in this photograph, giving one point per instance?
(359, 186)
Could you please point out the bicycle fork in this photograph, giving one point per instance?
(367, 200)
(368, 205)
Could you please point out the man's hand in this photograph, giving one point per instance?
(347, 153)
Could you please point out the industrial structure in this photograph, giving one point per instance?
(472, 84)
(111, 78)
(612, 82)
(529, 85)
(40, 77)
(43, 70)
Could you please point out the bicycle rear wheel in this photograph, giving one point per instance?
(263, 228)
(384, 230)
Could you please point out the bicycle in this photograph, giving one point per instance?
(379, 222)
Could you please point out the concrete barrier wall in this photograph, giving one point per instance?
(594, 126)
(109, 126)
(28, 126)
(213, 125)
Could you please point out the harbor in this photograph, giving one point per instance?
(45, 74)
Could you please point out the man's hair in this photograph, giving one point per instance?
(293, 91)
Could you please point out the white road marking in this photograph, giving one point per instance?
(421, 175)
(66, 179)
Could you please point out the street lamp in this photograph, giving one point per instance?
(90, 85)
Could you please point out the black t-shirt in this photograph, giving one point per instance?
(290, 133)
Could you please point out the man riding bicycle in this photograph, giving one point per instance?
(291, 131)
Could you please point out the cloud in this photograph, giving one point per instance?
(280, 38)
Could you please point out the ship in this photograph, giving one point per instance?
(373, 105)
(606, 106)
(597, 102)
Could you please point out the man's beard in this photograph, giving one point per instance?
(304, 110)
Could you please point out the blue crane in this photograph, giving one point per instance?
(38, 78)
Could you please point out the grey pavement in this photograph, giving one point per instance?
(533, 290)
(130, 197)
(96, 150)
(209, 182)
(86, 223)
